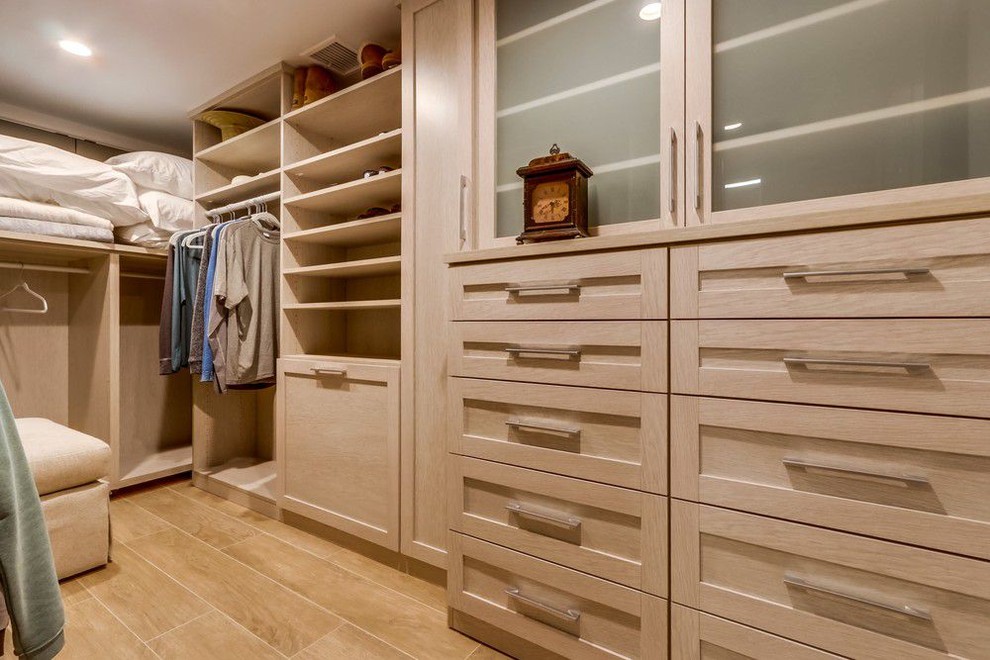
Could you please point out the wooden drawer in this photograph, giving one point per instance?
(931, 365)
(338, 445)
(603, 285)
(575, 615)
(847, 594)
(614, 533)
(610, 436)
(912, 478)
(695, 635)
(934, 269)
(622, 355)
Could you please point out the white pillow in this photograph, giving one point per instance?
(157, 171)
(168, 212)
(143, 235)
(42, 173)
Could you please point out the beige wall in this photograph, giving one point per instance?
(81, 147)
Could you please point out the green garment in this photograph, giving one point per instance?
(27, 571)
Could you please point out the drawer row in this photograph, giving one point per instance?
(939, 269)
(848, 595)
(910, 478)
(939, 366)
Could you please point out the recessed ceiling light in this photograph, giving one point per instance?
(740, 184)
(732, 127)
(76, 48)
(650, 12)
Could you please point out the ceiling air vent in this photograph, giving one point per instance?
(334, 55)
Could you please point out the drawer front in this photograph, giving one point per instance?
(339, 446)
(695, 635)
(931, 365)
(609, 285)
(623, 355)
(847, 594)
(614, 533)
(934, 269)
(610, 436)
(575, 615)
(911, 478)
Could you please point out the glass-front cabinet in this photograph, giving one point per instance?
(603, 79)
(804, 107)
(694, 112)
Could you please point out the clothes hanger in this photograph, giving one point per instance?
(23, 286)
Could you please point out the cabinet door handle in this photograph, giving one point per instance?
(515, 351)
(802, 274)
(546, 289)
(462, 207)
(542, 426)
(906, 610)
(853, 473)
(329, 370)
(561, 520)
(699, 145)
(672, 175)
(910, 366)
(567, 616)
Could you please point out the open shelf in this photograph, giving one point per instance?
(345, 306)
(353, 359)
(353, 114)
(264, 183)
(249, 475)
(347, 269)
(353, 198)
(255, 150)
(348, 163)
(380, 229)
(164, 463)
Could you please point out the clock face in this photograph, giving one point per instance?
(551, 202)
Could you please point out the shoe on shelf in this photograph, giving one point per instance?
(370, 55)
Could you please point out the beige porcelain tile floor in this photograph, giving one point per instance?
(195, 576)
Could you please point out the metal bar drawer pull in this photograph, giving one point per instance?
(854, 473)
(542, 426)
(515, 351)
(561, 520)
(800, 275)
(906, 610)
(546, 289)
(910, 366)
(329, 370)
(568, 616)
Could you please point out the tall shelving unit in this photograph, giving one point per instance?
(233, 433)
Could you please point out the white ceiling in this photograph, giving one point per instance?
(155, 60)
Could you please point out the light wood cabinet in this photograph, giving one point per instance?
(851, 595)
(573, 614)
(339, 445)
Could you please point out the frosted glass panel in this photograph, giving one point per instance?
(816, 98)
(584, 75)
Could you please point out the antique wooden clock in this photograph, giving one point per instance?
(555, 197)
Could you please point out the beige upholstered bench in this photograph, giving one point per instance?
(68, 467)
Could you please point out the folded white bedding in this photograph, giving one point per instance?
(80, 232)
(168, 212)
(42, 173)
(144, 235)
(20, 208)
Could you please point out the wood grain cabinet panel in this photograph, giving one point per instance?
(847, 594)
(623, 355)
(614, 437)
(917, 365)
(574, 615)
(917, 479)
(339, 446)
(610, 285)
(614, 533)
(937, 269)
(695, 635)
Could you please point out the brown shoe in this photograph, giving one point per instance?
(391, 60)
(319, 83)
(370, 56)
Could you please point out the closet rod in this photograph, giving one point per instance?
(237, 206)
(142, 276)
(16, 265)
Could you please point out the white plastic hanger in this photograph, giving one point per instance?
(23, 286)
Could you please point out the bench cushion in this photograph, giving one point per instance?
(61, 458)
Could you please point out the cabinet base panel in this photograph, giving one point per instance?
(497, 638)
